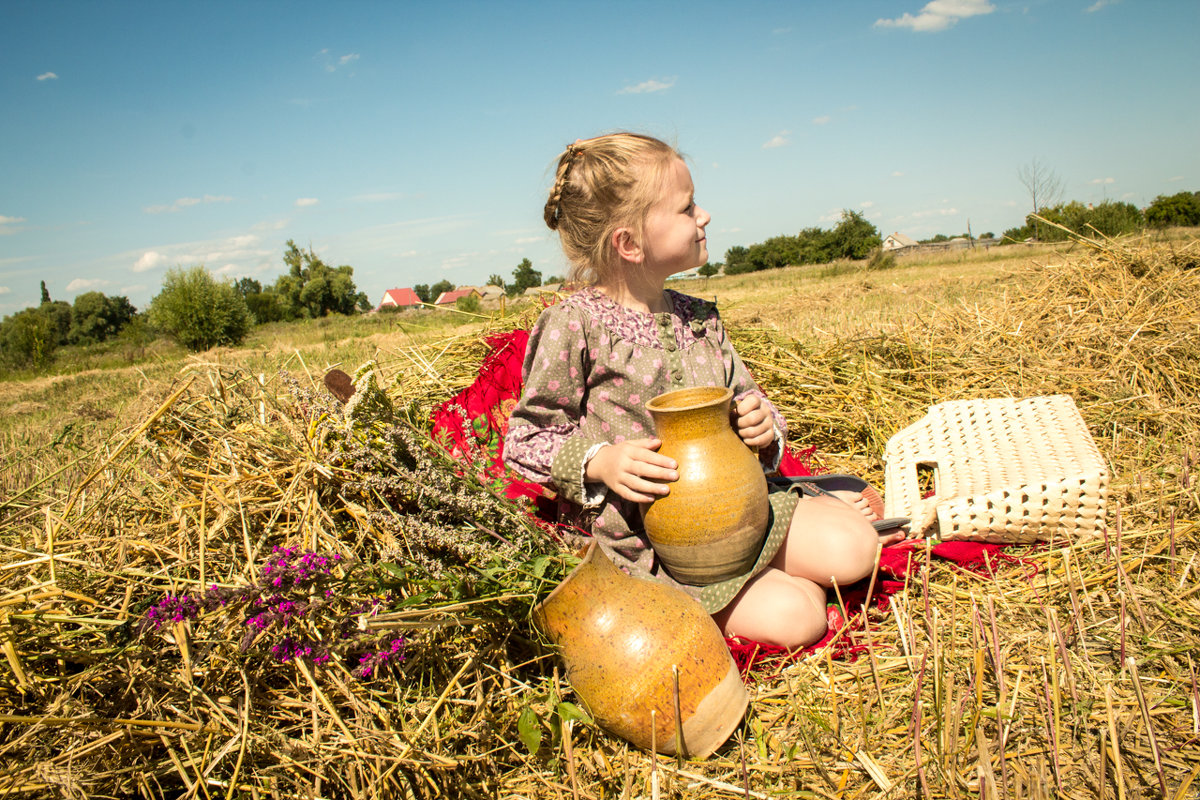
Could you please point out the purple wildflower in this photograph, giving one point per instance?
(169, 610)
(371, 662)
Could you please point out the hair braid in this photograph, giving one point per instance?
(600, 185)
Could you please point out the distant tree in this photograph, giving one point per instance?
(496, 280)
(855, 236)
(311, 288)
(28, 339)
(199, 311)
(735, 260)
(524, 277)
(1043, 185)
(96, 317)
(1181, 209)
(553, 279)
(421, 290)
(59, 314)
(988, 235)
(815, 246)
(438, 289)
(45, 294)
(709, 269)
(247, 286)
(469, 304)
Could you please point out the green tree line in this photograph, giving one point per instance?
(193, 307)
(853, 237)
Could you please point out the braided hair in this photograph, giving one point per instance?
(600, 185)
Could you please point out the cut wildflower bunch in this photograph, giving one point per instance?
(425, 507)
(301, 605)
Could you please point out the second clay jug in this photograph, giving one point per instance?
(624, 640)
(712, 525)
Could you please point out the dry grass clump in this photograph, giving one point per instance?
(148, 649)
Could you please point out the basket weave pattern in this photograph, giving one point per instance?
(1004, 470)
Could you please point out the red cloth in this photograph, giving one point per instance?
(471, 426)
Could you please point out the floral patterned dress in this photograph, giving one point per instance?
(589, 369)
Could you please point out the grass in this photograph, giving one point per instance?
(1069, 672)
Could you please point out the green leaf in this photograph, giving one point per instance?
(570, 711)
(529, 728)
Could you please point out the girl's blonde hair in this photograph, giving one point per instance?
(600, 185)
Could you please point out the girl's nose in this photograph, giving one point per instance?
(702, 217)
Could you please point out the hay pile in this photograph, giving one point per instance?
(248, 594)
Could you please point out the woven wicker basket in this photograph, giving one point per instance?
(1003, 471)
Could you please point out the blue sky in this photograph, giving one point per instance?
(414, 141)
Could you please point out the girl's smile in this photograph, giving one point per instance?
(675, 239)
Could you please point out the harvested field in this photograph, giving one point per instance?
(250, 591)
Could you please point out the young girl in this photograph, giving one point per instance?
(624, 209)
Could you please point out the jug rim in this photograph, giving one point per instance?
(690, 398)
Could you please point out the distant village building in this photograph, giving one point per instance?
(491, 292)
(898, 241)
(399, 298)
(454, 295)
(550, 288)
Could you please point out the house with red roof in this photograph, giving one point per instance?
(454, 295)
(400, 298)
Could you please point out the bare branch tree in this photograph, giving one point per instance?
(1044, 185)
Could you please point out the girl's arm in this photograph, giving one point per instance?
(758, 422)
(545, 442)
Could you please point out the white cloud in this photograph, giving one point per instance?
(8, 225)
(780, 31)
(376, 197)
(822, 120)
(244, 251)
(528, 239)
(187, 202)
(778, 140)
(938, 15)
(1175, 179)
(1099, 4)
(81, 284)
(649, 86)
(1096, 181)
(866, 204)
(271, 225)
(47, 76)
(897, 174)
(148, 261)
(936, 212)
(5, 290)
(304, 202)
(334, 64)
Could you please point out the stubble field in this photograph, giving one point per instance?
(130, 492)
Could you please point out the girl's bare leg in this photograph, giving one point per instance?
(828, 540)
(776, 608)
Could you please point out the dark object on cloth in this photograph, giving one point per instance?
(813, 485)
(339, 385)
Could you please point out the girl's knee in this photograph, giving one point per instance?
(781, 611)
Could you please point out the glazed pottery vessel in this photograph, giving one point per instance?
(711, 526)
(624, 639)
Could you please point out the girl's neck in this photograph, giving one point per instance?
(646, 297)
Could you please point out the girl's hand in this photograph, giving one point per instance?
(754, 422)
(633, 469)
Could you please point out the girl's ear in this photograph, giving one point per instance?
(626, 246)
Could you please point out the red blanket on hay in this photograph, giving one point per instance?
(471, 426)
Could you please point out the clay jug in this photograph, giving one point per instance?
(622, 639)
(712, 525)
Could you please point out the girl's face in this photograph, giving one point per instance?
(673, 235)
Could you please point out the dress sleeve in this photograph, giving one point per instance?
(743, 384)
(545, 441)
